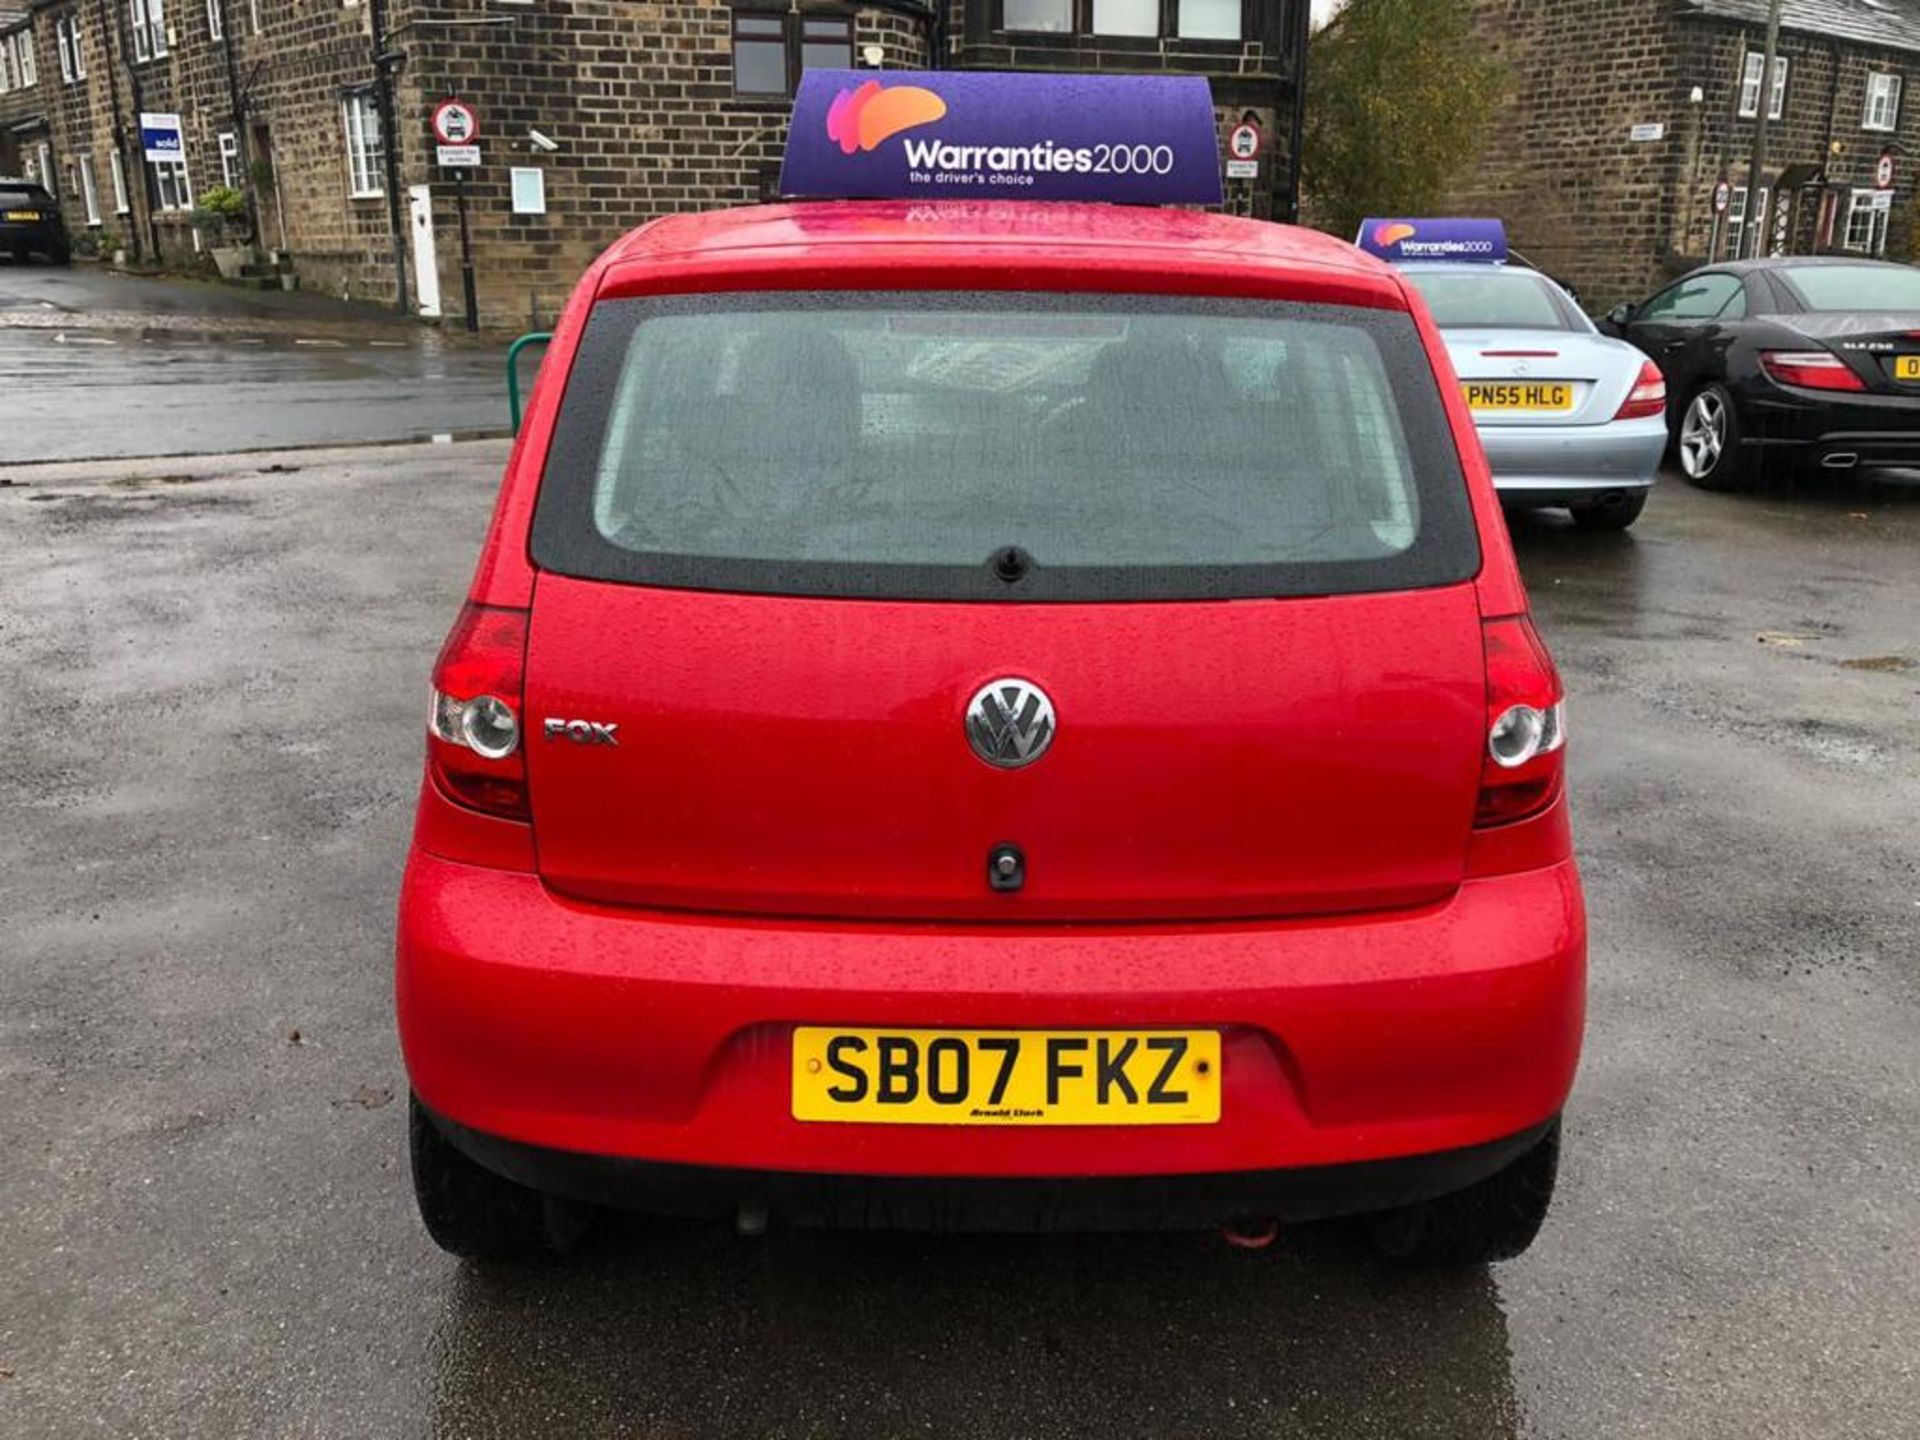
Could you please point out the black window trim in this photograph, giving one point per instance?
(1081, 27)
(564, 538)
(793, 37)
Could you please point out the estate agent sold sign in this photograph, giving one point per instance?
(1147, 139)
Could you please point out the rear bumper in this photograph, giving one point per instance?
(667, 1038)
(1570, 464)
(988, 1203)
(41, 237)
(1859, 431)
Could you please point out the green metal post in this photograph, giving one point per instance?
(539, 337)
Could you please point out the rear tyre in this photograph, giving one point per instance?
(472, 1212)
(1495, 1219)
(1709, 443)
(1615, 516)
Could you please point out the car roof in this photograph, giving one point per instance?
(983, 234)
(1798, 262)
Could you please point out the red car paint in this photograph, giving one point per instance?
(1312, 852)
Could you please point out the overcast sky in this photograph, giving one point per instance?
(1322, 9)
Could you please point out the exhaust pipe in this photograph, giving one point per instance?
(1250, 1234)
(1844, 460)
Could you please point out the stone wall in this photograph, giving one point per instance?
(1615, 216)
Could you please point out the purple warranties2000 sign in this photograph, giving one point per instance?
(1143, 140)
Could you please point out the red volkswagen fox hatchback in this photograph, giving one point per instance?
(993, 715)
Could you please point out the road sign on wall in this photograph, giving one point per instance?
(1883, 171)
(455, 123)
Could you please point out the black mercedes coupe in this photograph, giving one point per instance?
(1785, 365)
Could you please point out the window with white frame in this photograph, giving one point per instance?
(149, 23)
(253, 12)
(216, 21)
(1883, 103)
(1750, 87)
(73, 59)
(172, 183)
(1867, 216)
(23, 61)
(119, 169)
(230, 159)
(42, 170)
(89, 190)
(366, 150)
(6, 63)
(1737, 215)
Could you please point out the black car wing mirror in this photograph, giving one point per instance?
(1620, 315)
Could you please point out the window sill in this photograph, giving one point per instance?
(367, 195)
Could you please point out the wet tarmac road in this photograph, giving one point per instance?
(212, 689)
(95, 364)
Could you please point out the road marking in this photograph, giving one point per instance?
(388, 344)
(62, 338)
(330, 344)
(443, 437)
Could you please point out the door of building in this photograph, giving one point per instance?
(426, 261)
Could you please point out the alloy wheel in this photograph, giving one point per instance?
(1703, 435)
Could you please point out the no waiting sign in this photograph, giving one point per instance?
(455, 123)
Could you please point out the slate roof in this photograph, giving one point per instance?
(1894, 24)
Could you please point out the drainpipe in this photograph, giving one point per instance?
(137, 95)
(111, 31)
(1302, 37)
(384, 65)
(1752, 238)
(237, 108)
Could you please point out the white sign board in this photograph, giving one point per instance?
(1883, 200)
(1243, 169)
(529, 190)
(1643, 134)
(458, 157)
(160, 136)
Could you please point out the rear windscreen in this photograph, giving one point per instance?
(29, 196)
(1003, 447)
(1495, 300)
(1853, 287)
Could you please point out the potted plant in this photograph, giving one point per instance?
(222, 213)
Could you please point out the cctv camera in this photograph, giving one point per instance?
(542, 142)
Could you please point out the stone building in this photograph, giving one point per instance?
(1623, 117)
(594, 115)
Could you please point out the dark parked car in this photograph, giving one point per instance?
(1788, 363)
(30, 222)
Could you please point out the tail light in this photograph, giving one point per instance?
(1525, 762)
(1648, 396)
(474, 720)
(1810, 370)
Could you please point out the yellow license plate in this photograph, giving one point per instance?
(23, 214)
(1906, 367)
(1006, 1077)
(1518, 394)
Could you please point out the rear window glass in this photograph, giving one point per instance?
(12, 195)
(1495, 300)
(1002, 447)
(1853, 287)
